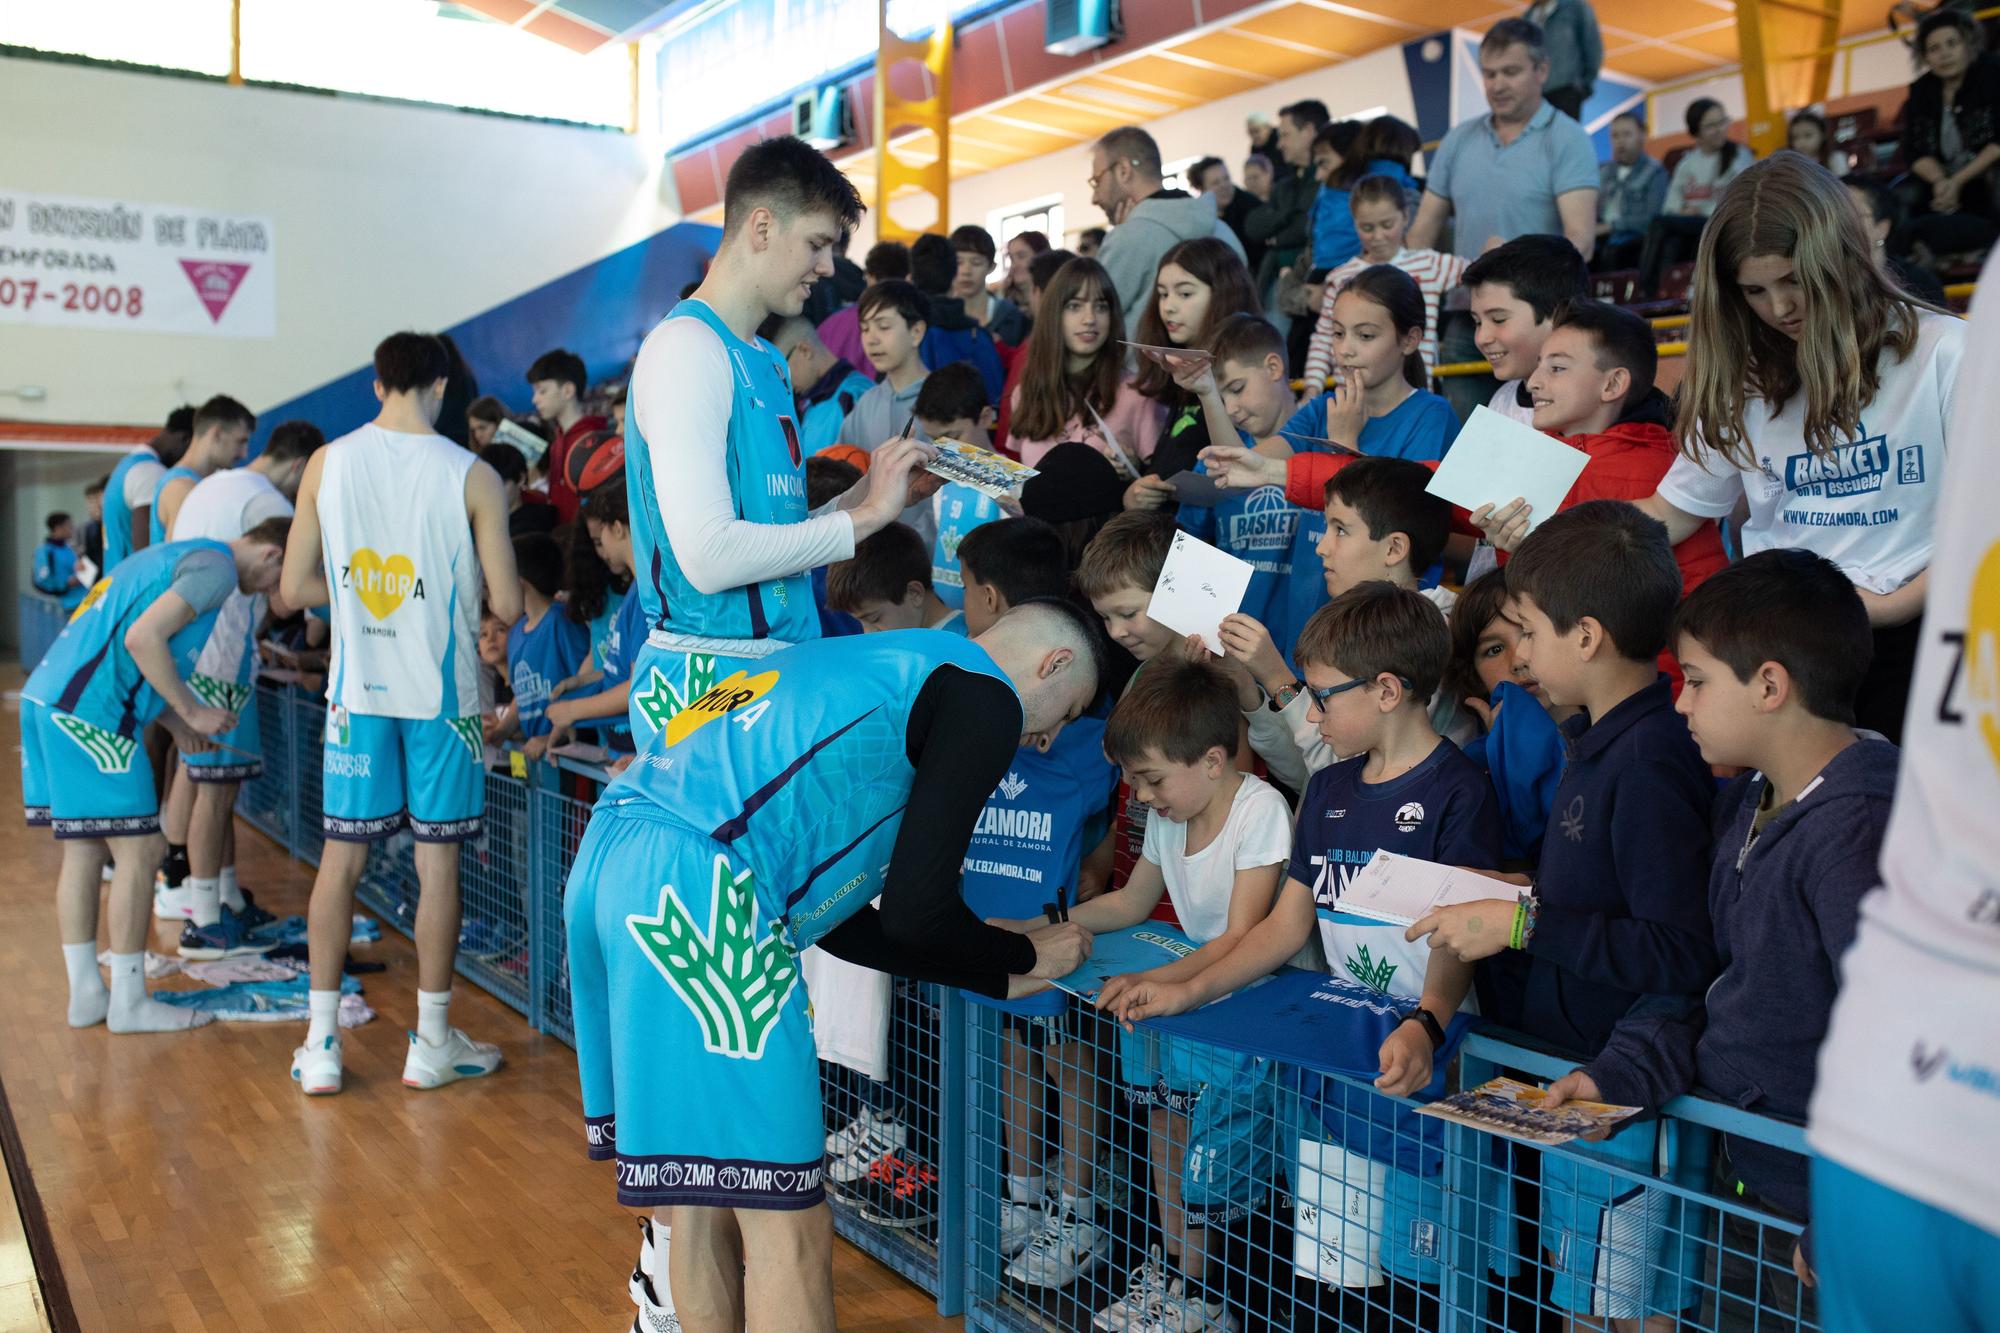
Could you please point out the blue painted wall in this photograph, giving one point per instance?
(601, 312)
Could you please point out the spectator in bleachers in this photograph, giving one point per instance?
(482, 418)
(1257, 177)
(1576, 51)
(895, 329)
(1807, 136)
(1830, 423)
(1952, 137)
(1022, 247)
(55, 563)
(1089, 241)
(825, 388)
(841, 331)
(973, 245)
(1614, 931)
(1631, 191)
(1283, 222)
(1263, 134)
(527, 511)
(1381, 209)
(1775, 649)
(1878, 206)
(1210, 177)
(951, 334)
(1075, 386)
(1337, 164)
(1699, 179)
(1199, 284)
(559, 382)
(1515, 291)
(1147, 218)
(1042, 270)
(1521, 169)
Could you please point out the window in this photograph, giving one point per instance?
(1044, 215)
(1173, 175)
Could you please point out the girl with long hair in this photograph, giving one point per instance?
(1199, 284)
(1819, 393)
(1074, 385)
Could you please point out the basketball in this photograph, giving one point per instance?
(594, 461)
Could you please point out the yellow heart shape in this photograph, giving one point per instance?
(380, 582)
(723, 698)
(1982, 649)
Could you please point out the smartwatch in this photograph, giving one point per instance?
(1423, 1016)
(1285, 694)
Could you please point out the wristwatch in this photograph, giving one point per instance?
(1285, 694)
(1423, 1016)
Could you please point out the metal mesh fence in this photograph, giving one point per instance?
(308, 745)
(265, 802)
(41, 620)
(559, 822)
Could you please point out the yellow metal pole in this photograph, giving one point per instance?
(236, 42)
(893, 113)
(1787, 49)
(632, 110)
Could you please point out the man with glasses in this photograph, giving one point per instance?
(1147, 219)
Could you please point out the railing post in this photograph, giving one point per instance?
(953, 1031)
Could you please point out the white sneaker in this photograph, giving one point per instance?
(1177, 1314)
(653, 1316)
(650, 1272)
(173, 904)
(1141, 1302)
(432, 1065)
(884, 1136)
(316, 1069)
(1067, 1248)
(849, 1136)
(1020, 1223)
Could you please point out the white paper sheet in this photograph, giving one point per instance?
(1198, 586)
(1403, 890)
(1496, 458)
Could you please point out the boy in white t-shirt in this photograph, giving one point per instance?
(1216, 844)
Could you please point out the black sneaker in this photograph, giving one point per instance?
(900, 1192)
(253, 916)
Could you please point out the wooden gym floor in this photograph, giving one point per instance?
(187, 1185)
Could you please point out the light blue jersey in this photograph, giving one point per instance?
(156, 529)
(828, 405)
(767, 481)
(960, 509)
(89, 674)
(117, 513)
(798, 768)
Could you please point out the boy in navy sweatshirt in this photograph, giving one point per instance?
(1774, 649)
(1615, 930)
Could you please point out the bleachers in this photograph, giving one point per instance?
(949, 1079)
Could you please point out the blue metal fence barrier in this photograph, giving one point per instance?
(1050, 1175)
(41, 619)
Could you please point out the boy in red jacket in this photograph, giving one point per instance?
(1593, 389)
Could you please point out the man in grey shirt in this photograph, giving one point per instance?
(1523, 168)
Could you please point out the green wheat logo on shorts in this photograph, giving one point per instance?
(470, 731)
(219, 693)
(734, 983)
(660, 701)
(108, 750)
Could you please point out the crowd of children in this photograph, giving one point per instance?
(1677, 770)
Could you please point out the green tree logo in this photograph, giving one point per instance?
(1370, 971)
(659, 701)
(734, 983)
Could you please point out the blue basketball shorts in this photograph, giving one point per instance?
(1623, 1249)
(380, 773)
(83, 781)
(666, 680)
(1227, 1097)
(237, 757)
(1886, 1260)
(694, 1038)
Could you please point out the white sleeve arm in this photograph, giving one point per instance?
(141, 480)
(1693, 489)
(1289, 742)
(681, 394)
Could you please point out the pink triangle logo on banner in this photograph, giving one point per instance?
(215, 281)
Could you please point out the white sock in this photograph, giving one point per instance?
(232, 897)
(323, 1010)
(128, 977)
(1027, 1189)
(204, 900)
(433, 1016)
(132, 1010)
(1082, 1207)
(88, 998)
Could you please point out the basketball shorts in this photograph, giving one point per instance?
(380, 773)
(1227, 1098)
(666, 680)
(83, 781)
(1622, 1249)
(237, 756)
(693, 1035)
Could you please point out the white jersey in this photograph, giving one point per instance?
(222, 507)
(403, 573)
(1909, 1078)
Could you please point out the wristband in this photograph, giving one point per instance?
(1423, 1018)
(1525, 910)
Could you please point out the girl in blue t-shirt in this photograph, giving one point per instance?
(1380, 408)
(602, 698)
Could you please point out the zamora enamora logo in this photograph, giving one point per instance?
(734, 983)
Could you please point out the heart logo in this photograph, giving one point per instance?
(1982, 649)
(785, 1181)
(381, 583)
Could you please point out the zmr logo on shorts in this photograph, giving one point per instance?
(382, 583)
(739, 690)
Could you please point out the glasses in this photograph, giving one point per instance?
(1320, 696)
(1109, 170)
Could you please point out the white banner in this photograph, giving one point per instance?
(151, 268)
